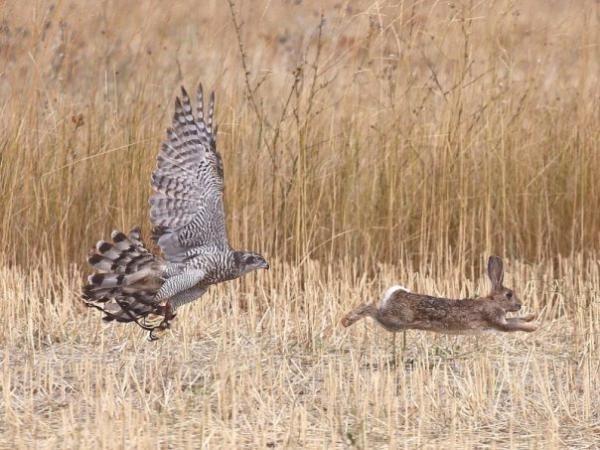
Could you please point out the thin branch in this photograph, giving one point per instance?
(238, 33)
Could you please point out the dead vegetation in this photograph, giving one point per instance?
(365, 144)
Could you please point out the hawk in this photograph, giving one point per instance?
(130, 283)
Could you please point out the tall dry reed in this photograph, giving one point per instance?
(386, 131)
(365, 143)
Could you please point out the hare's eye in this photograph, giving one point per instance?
(509, 295)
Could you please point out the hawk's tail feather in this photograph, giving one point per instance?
(126, 280)
(124, 255)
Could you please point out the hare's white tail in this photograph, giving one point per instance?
(390, 292)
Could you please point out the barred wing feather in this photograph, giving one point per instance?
(187, 205)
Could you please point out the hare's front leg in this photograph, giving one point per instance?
(514, 324)
(524, 323)
(527, 318)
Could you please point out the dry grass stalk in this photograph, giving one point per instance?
(365, 144)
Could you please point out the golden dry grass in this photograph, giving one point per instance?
(365, 143)
(265, 364)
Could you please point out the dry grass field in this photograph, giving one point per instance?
(365, 143)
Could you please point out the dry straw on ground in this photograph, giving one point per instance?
(365, 143)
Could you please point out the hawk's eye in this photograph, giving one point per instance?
(250, 260)
(509, 295)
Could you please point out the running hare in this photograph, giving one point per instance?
(402, 310)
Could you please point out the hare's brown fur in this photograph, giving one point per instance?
(403, 310)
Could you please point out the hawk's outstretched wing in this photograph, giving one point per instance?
(187, 206)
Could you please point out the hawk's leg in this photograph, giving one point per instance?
(177, 290)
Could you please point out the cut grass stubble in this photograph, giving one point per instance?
(364, 144)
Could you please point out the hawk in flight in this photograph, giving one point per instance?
(131, 284)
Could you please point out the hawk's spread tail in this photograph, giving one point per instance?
(127, 278)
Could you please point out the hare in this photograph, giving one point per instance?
(402, 310)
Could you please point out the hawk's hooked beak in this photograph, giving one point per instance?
(266, 265)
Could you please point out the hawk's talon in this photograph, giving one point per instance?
(151, 336)
(164, 325)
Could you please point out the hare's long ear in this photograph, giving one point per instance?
(495, 271)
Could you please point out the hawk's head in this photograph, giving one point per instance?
(249, 261)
